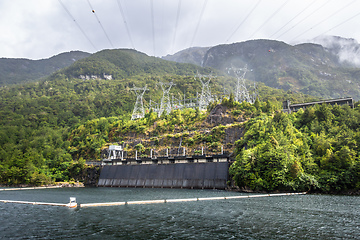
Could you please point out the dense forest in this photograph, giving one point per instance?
(314, 149)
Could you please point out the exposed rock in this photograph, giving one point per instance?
(218, 116)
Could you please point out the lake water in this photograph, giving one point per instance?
(282, 217)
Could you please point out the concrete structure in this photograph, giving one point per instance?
(166, 160)
(203, 175)
(288, 107)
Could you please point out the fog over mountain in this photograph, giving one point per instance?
(347, 49)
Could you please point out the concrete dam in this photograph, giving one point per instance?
(179, 172)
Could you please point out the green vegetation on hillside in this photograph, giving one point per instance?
(17, 71)
(316, 149)
(47, 128)
(123, 63)
(50, 128)
(307, 68)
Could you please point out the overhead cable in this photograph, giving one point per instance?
(293, 18)
(77, 24)
(354, 16)
(152, 24)
(267, 21)
(126, 25)
(247, 16)
(307, 16)
(334, 13)
(198, 24)
(176, 25)
(93, 11)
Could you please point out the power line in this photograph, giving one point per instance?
(126, 26)
(267, 21)
(198, 24)
(77, 24)
(93, 11)
(307, 16)
(336, 12)
(152, 23)
(354, 16)
(176, 25)
(293, 18)
(247, 16)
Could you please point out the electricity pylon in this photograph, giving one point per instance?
(139, 111)
(241, 92)
(205, 97)
(165, 104)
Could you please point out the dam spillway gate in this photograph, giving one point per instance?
(203, 173)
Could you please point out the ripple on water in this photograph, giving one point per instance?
(287, 217)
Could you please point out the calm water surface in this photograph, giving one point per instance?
(284, 217)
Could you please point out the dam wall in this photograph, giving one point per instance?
(202, 175)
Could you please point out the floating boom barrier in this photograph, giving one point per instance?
(184, 200)
(71, 204)
(27, 188)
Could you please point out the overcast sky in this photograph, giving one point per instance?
(38, 29)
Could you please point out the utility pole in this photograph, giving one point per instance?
(241, 92)
(205, 97)
(139, 111)
(165, 104)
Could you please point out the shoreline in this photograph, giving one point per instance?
(353, 192)
(57, 184)
(350, 192)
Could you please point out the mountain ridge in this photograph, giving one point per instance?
(19, 70)
(309, 68)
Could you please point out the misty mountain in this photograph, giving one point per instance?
(15, 70)
(347, 49)
(194, 55)
(308, 68)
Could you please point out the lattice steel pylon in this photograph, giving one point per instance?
(165, 104)
(241, 92)
(205, 97)
(139, 111)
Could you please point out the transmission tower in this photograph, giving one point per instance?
(205, 97)
(139, 111)
(165, 104)
(241, 92)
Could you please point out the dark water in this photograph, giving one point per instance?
(284, 217)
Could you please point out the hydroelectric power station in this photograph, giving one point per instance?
(172, 170)
(199, 171)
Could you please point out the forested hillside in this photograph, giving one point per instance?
(316, 149)
(122, 63)
(40, 122)
(49, 128)
(308, 68)
(15, 71)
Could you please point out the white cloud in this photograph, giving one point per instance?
(42, 28)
